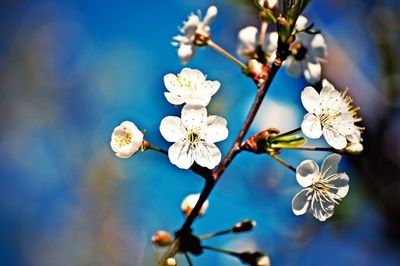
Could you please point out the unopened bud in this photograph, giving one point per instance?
(355, 148)
(258, 71)
(244, 226)
(259, 142)
(161, 238)
(189, 203)
(255, 259)
(171, 262)
(264, 261)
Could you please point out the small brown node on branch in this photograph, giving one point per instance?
(259, 142)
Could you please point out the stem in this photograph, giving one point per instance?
(154, 148)
(221, 250)
(216, 234)
(284, 163)
(222, 51)
(293, 131)
(306, 148)
(188, 259)
(263, 31)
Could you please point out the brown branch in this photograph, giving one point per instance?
(211, 180)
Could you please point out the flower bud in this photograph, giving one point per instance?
(255, 259)
(161, 238)
(126, 139)
(171, 262)
(259, 142)
(189, 203)
(354, 148)
(244, 226)
(258, 71)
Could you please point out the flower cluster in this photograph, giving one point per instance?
(194, 133)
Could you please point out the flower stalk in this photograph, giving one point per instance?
(222, 51)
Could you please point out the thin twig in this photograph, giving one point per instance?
(222, 51)
(188, 259)
(283, 163)
(306, 148)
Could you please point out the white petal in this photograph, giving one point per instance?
(190, 26)
(307, 173)
(271, 39)
(327, 85)
(194, 76)
(301, 202)
(171, 82)
(173, 98)
(171, 129)
(210, 87)
(301, 23)
(247, 38)
(330, 165)
(200, 100)
(181, 154)
(311, 126)
(334, 139)
(186, 52)
(207, 155)
(193, 116)
(341, 184)
(215, 130)
(317, 47)
(312, 72)
(212, 12)
(322, 210)
(294, 67)
(310, 99)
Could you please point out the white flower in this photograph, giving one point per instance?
(190, 86)
(322, 189)
(330, 113)
(271, 4)
(194, 25)
(271, 39)
(189, 203)
(194, 135)
(248, 41)
(247, 45)
(307, 53)
(126, 139)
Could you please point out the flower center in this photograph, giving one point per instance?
(185, 83)
(193, 137)
(320, 186)
(123, 140)
(298, 51)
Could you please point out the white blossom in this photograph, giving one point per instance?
(331, 114)
(126, 139)
(248, 41)
(194, 25)
(190, 86)
(189, 203)
(194, 135)
(322, 189)
(307, 53)
(271, 4)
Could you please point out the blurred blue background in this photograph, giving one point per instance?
(70, 71)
